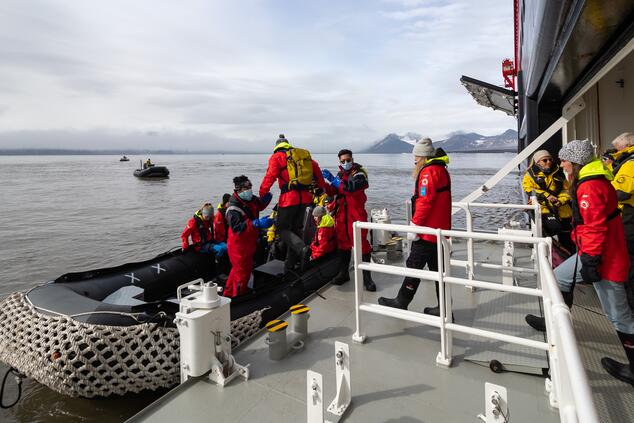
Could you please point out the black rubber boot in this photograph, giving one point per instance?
(368, 283)
(623, 372)
(344, 265)
(539, 323)
(403, 298)
(536, 322)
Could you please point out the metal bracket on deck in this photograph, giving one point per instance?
(495, 403)
(314, 388)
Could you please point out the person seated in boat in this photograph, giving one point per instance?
(244, 225)
(602, 259)
(431, 207)
(148, 164)
(550, 185)
(200, 230)
(349, 187)
(220, 221)
(325, 239)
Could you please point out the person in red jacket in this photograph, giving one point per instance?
(292, 202)
(431, 207)
(325, 239)
(220, 223)
(602, 257)
(244, 230)
(200, 229)
(349, 188)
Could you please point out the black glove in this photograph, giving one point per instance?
(589, 271)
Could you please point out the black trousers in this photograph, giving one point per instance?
(290, 222)
(422, 253)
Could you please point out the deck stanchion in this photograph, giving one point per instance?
(358, 336)
(444, 357)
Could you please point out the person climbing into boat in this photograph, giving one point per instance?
(349, 187)
(623, 183)
(200, 229)
(295, 172)
(431, 207)
(325, 239)
(244, 224)
(549, 183)
(220, 222)
(601, 258)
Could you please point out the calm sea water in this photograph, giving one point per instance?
(69, 213)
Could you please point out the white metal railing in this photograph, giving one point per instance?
(568, 384)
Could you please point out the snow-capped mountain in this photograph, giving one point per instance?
(457, 141)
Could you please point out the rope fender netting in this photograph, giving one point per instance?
(86, 360)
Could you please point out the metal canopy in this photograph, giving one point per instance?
(490, 95)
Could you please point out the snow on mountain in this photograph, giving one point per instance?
(458, 141)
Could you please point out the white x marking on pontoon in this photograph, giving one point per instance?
(132, 278)
(158, 268)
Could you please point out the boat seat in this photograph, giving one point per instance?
(125, 296)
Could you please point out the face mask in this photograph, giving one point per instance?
(206, 215)
(246, 195)
(346, 165)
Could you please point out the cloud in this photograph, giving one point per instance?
(242, 72)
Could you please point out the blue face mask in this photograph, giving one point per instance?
(346, 165)
(246, 195)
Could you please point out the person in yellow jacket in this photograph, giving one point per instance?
(549, 182)
(623, 183)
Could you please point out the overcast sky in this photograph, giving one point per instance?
(233, 74)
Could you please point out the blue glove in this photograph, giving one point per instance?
(327, 175)
(335, 182)
(219, 249)
(263, 222)
(266, 199)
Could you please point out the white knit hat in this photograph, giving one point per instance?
(423, 148)
(319, 211)
(540, 154)
(577, 151)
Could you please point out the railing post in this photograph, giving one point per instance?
(358, 336)
(470, 264)
(444, 356)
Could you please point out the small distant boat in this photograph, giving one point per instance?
(124, 159)
(150, 170)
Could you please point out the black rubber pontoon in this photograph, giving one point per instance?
(152, 172)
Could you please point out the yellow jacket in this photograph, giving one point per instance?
(553, 183)
(623, 182)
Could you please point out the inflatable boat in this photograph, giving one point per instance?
(110, 331)
(152, 172)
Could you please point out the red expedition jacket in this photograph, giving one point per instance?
(350, 206)
(220, 224)
(277, 171)
(200, 231)
(325, 240)
(598, 227)
(431, 203)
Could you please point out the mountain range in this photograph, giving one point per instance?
(467, 142)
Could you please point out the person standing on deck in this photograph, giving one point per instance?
(295, 172)
(601, 258)
(244, 225)
(548, 181)
(431, 207)
(349, 188)
(623, 183)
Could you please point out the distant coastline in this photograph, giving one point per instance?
(63, 152)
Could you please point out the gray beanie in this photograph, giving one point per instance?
(423, 148)
(281, 139)
(319, 211)
(577, 151)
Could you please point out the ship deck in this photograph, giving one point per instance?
(394, 376)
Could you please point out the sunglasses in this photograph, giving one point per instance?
(345, 161)
(546, 160)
